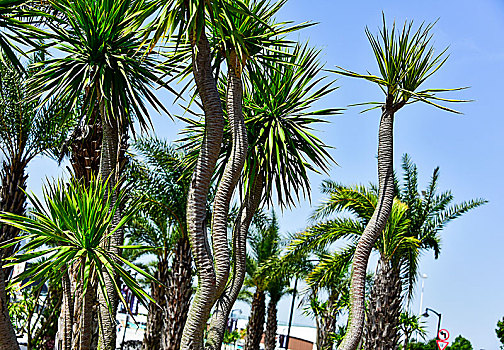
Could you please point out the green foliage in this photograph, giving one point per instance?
(73, 228)
(405, 60)
(500, 332)
(231, 338)
(430, 345)
(460, 343)
(411, 326)
(99, 44)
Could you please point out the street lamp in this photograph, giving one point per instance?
(426, 314)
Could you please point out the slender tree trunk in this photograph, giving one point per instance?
(155, 317)
(271, 323)
(8, 340)
(109, 161)
(328, 324)
(13, 200)
(178, 298)
(255, 326)
(65, 321)
(372, 231)
(384, 310)
(231, 173)
(225, 304)
(204, 298)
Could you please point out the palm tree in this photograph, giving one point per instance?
(281, 151)
(405, 60)
(264, 244)
(25, 132)
(69, 230)
(411, 325)
(410, 229)
(158, 175)
(101, 44)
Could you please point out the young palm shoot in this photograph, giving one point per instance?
(69, 230)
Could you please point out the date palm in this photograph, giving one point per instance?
(405, 60)
(68, 230)
(25, 132)
(410, 230)
(157, 174)
(101, 47)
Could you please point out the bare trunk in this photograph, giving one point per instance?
(178, 297)
(155, 319)
(271, 323)
(371, 232)
(255, 326)
(327, 325)
(8, 340)
(231, 173)
(13, 200)
(204, 298)
(65, 321)
(225, 304)
(384, 310)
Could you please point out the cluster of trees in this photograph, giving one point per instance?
(79, 77)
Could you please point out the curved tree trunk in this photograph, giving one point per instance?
(204, 298)
(13, 200)
(271, 323)
(384, 310)
(178, 296)
(255, 326)
(231, 173)
(155, 317)
(225, 304)
(372, 231)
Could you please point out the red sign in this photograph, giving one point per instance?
(443, 335)
(442, 344)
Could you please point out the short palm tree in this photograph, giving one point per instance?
(25, 132)
(405, 60)
(102, 57)
(410, 229)
(69, 230)
(157, 174)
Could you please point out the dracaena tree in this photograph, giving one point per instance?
(68, 230)
(406, 59)
(102, 55)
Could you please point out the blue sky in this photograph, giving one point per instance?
(465, 283)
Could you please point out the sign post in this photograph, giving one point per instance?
(442, 341)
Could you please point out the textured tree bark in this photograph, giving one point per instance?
(231, 174)
(109, 162)
(65, 321)
(271, 323)
(178, 297)
(255, 326)
(327, 325)
(8, 340)
(204, 298)
(155, 317)
(372, 231)
(13, 200)
(225, 304)
(384, 310)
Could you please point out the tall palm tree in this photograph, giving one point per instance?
(101, 45)
(409, 231)
(69, 230)
(405, 60)
(25, 132)
(157, 174)
(278, 112)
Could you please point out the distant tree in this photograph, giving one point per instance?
(431, 344)
(500, 332)
(461, 343)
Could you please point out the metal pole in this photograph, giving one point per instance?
(124, 334)
(438, 326)
(291, 313)
(421, 296)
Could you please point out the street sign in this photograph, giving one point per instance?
(443, 335)
(442, 344)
